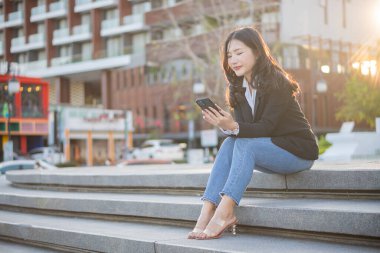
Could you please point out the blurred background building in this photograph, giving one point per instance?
(155, 57)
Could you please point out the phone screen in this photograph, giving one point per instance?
(205, 103)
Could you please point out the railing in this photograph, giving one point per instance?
(18, 41)
(99, 1)
(38, 10)
(112, 53)
(81, 2)
(110, 23)
(57, 6)
(131, 19)
(79, 29)
(147, 6)
(34, 65)
(63, 32)
(35, 38)
(58, 61)
(61, 60)
(13, 16)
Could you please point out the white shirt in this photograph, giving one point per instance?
(251, 98)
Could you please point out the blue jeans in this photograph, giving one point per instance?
(236, 160)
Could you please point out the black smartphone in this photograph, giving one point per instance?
(205, 103)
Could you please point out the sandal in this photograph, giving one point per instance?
(207, 233)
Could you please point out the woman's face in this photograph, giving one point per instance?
(241, 58)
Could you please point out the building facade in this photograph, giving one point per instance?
(145, 56)
(24, 117)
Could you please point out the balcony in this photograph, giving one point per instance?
(36, 41)
(60, 33)
(18, 44)
(33, 65)
(86, 5)
(57, 9)
(131, 23)
(109, 23)
(14, 19)
(82, 2)
(58, 61)
(80, 33)
(38, 13)
(66, 65)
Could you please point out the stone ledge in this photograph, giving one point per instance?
(106, 236)
(351, 217)
(323, 176)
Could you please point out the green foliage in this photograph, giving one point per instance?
(210, 23)
(323, 144)
(361, 101)
(66, 164)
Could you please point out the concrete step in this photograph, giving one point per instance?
(324, 180)
(17, 246)
(345, 218)
(91, 235)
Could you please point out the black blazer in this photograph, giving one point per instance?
(278, 115)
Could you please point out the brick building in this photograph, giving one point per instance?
(145, 56)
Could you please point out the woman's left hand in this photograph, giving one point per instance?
(219, 118)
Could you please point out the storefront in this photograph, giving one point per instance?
(27, 113)
(91, 135)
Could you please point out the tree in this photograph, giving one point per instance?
(199, 27)
(361, 100)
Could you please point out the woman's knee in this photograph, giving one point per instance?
(228, 143)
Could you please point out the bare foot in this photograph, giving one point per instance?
(202, 222)
(221, 221)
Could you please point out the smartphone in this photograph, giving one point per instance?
(205, 103)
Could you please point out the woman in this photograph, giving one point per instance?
(269, 132)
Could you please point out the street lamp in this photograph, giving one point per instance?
(198, 88)
(13, 87)
(320, 87)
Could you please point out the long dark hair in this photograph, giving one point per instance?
(267, 74)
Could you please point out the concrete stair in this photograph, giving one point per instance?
(331, 208)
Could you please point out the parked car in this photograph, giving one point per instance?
(159, 149)
(18, 156)
(17, 165)
(50, 154)
(143, 162)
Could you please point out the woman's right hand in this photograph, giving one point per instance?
(220, 118)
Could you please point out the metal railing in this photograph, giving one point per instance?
(131, 19)
(79, 29)
(38, 10)
(16, 42)
(37, 37)
(63, 32)
(57, 6)
(110, 23)
(82, 2)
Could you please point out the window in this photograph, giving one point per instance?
(3, 101)
(113, 46)
(31, 101)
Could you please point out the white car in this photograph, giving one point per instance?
(159, 149)
(17, 165)
(49, 154)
